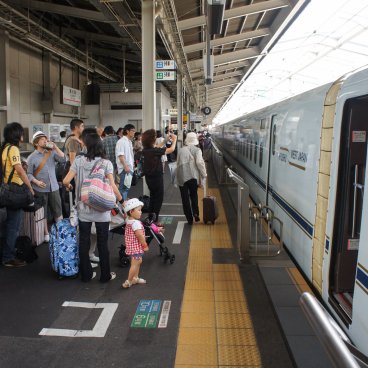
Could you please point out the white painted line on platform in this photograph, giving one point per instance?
(100, 328)
(164, 318)
(179, 232)
(162, 215)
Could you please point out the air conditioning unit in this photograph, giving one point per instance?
(215, 16)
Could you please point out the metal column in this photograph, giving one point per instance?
(4, 80)
(242, 239)
(148, 65)
(179, 103)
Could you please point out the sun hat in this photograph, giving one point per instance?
(131, 204)
(191, 139)
(37, 135)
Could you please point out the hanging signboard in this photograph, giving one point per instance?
(70, 96)
(165, 76)
(165, 64)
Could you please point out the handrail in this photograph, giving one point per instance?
(238, 179)
(216, 148)
(330, 337)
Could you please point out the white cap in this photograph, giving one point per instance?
(38, 134)
(191, 139)
(132, 203)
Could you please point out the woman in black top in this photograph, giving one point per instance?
(153, 170)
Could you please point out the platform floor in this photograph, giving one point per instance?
(222, 313)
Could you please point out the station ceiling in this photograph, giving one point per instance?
(109, 32)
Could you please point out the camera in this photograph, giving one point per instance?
(49, 146)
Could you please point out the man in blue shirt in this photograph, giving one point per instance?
(41, 173)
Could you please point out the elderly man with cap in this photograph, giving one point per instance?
(190, 174)
(41, 174)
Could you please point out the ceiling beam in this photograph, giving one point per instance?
(95, 36)
(226, 82)
(67, 11)
(237, 12)
(229, 57)
(222, 68)
(238, 73)
(228, 39)
(116, 54)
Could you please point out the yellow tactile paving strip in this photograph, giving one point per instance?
(298, 280)
(216, 329)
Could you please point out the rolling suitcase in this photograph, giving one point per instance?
(210, 210)
(64, 253)
(34, 226)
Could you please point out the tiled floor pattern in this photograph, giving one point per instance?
(215, 326)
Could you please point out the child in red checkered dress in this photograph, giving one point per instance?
(135, 241)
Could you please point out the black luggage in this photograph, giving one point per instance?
(210, 210)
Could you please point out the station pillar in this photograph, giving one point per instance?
(4, 80)
(148, 65)
(179, 102)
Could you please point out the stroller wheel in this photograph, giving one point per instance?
(124, 262)
(172, 259)
(166, 250)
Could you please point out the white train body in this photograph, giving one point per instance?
(310, 168)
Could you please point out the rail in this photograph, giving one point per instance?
(262, 216)
(242, 239)
(328, 332)
(219, 164)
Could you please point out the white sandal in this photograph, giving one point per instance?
(137, 280)
(126, 284)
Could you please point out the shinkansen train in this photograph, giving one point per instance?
(306, 158)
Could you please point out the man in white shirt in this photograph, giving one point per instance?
(125, 157)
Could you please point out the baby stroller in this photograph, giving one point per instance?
(152, 232)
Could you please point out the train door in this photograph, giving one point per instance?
(349, 202)
(271, 153)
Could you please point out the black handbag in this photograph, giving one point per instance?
(134, 179)
(12, 195)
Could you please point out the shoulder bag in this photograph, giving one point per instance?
(96, 191)
(13, 195)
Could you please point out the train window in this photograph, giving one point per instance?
(260, 155)
(251, 150)
(255, 152)
(274, 140)
(263, 124)
(246, 149)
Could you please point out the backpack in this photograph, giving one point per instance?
(25, 251)
(139, 170)
(96, 191)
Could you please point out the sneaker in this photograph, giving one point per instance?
(15, 263)
(47, 238)
(94, 265)
(94, 259)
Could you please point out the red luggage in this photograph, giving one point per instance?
(210, 210)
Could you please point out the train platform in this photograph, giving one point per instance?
(204, 310)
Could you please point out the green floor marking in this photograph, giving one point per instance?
(166, 220)
(147, 313)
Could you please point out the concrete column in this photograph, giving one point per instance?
(47, 100)
(179, 103)
(4, 80)
(148, 65)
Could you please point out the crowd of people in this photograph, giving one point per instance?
(117, 155)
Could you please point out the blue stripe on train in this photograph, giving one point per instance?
(362, 277)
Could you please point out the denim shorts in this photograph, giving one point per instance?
(137, 255)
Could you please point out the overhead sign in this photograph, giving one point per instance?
(165, 76)
(173, 112)
(70, 96)
(165, 64)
